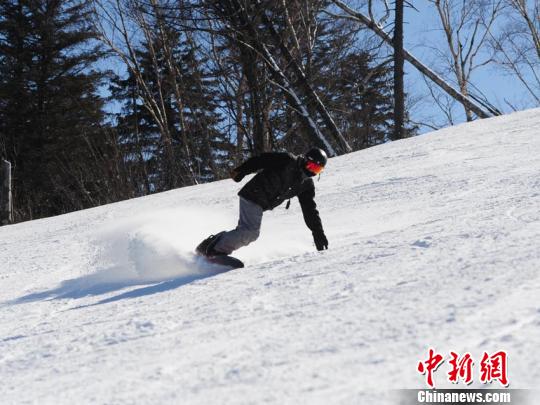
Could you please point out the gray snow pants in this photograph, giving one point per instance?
(247, 230)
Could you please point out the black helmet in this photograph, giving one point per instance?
(317, 155)
(315, 160)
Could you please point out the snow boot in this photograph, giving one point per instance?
(206, 247)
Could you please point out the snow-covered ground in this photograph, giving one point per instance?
(434, 242)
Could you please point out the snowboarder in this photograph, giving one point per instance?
(281, 176)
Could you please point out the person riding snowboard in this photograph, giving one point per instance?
(281, 176)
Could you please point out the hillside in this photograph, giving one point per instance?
(434, 242)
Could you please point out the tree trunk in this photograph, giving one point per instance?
(399, 94)
(260, 138)
(6, 202)
(238, 156)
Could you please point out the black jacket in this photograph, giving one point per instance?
(281, 177)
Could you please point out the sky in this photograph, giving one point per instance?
(422, 34)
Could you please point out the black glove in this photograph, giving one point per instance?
(236, 175)
(320, 240)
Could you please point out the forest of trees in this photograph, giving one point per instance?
(106, 100)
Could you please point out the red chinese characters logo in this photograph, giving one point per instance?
(492, 368)
(461, 368)
(430, 365)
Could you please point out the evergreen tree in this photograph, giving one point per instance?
(189, 103)
(360, 98)
(50, 110)
(137, 133)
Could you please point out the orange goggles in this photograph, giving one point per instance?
(313, 167)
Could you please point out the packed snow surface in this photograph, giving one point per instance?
(434, 242)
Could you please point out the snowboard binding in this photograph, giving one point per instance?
(206, 250)
(206, 247)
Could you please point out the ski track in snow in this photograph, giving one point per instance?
(433, 243)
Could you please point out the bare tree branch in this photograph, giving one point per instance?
(478, 110)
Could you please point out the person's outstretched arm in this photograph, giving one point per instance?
(312, 218)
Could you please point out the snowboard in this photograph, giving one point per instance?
(223, 260)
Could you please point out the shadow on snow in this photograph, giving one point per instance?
(107, 281)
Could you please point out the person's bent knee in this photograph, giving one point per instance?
(251, 236)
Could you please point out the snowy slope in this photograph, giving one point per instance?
(434, 242)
